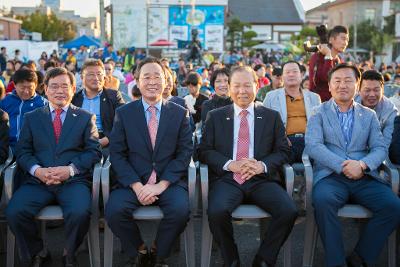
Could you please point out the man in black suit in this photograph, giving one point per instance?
(150, 150)
(394, 150)
(244, 145)
(98, 100)
(56, 152)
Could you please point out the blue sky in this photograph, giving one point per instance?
(91, 6)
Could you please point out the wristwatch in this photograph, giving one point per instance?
(328, 57)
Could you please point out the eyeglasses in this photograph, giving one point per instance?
(54, 87)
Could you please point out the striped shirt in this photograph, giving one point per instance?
(346, 120)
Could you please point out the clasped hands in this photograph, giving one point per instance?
(148, 194)
(352, 169)
(246, 167)
(53, 175)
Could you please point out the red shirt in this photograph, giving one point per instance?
(319, 69)
(263, 81)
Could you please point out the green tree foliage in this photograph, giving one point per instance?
(370, 37)
(306, 34)
(51, 28)
(238, 34)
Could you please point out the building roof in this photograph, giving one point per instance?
(10, 20)
(322, 7)
(265, 11)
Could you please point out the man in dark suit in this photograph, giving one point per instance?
(394, 151)
(98, 100)
(56, 152)
(244, 145)
(150, 150)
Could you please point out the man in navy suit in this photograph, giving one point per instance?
(150, 151)
(56, 152)
(245, 146)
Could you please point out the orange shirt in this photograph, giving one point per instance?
(111, 83)
(296, 115)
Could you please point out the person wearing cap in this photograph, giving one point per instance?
(295, 106)
(276, 82)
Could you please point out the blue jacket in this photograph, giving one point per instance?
(325, 143)
(16, 108)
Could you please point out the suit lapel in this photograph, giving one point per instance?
(334, 122)
(142, 124)
(357, 123)
(165, 116)
(228, 129)
(71, 119)
(282, 101)
(259, 123)
(307, 103)
(103, 105)
(48, 125)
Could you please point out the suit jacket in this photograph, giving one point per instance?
(131, 153)
(270, 142)
(4, 128)
(276, 100)
(386, 111)
(215, 102)
(326, 145)
(178, 100)
(394, 151)
(78, 143)
(110, 100)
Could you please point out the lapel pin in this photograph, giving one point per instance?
(228, 119)
(259, 118)
(104, 99)
(73, 114)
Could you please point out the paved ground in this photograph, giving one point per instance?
(246, 234)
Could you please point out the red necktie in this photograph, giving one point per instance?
(152, 126)
(57, 124)
(242, 143)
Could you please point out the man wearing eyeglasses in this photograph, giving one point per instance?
(150, 150)
(98, 100)
(56, 153)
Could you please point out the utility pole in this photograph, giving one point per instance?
(355, 32)
(102, 23)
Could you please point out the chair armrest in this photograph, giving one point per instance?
(289, 178)
(105, 181)
(96, 188)
(393, 175)
(308, 173)
(9, 181)
(192, 184)
(204, 187)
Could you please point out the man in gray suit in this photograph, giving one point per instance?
(371, 96)
(345, 141)
(295, 106)
(56, 152)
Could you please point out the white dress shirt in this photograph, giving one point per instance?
(236, 127)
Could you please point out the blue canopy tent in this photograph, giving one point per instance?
(83, 40)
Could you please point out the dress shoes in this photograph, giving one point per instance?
(155, 261)
(259, 262)
(67, 262)
(40, 259)
(141, 260)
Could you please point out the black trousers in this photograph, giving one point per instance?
(226, 195)
(297, 148)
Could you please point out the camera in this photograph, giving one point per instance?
(322, 32)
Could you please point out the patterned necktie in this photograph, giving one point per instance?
(152, 126)
(57, 124)
(242, 143)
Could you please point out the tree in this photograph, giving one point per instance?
(306, 34)
(51, 28)
(238, 35)
(370, 37)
